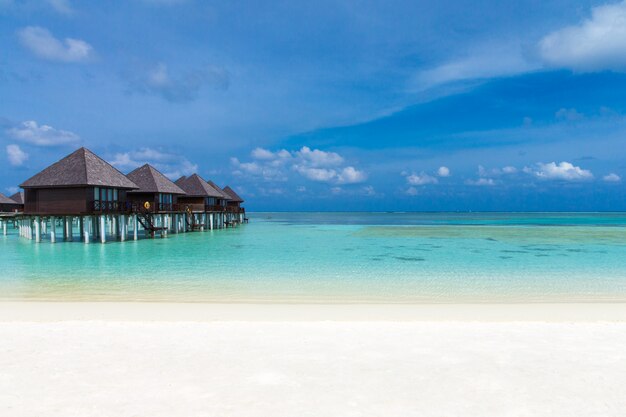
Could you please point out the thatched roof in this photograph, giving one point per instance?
(6, 200)
(80, 168)
(233, 195)
(18, 197)
(150, 180)
(195, 186)
(224, 195)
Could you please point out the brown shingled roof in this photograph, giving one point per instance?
(233, 195)
(195, 186)
(80, 168)
(6, 200)
(224, 195)
(18, 197)
(150, 180)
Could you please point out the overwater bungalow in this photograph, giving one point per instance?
(8, 205)
(19, 198)
(84, 192)
(156, 192)
(81, 183)
(223, 201)
(235, 201)
(199, 196)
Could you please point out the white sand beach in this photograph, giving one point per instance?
(148, 359)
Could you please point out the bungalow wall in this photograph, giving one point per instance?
(10, 208)
(62, 201)
(195, 203)
(154, 199)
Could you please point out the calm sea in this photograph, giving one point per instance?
(339, 257)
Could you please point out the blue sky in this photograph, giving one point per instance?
(343, 105)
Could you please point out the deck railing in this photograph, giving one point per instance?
(127, 207)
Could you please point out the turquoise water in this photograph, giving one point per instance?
(339, 257)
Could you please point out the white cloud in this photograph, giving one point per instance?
(421, 179)
(266, 171)
(369, 191)
(157, 80)
(481, 182)
(562, 171)
(612, 178)
(495, 172)
(319, 158)
(16, 155)
(412, 191)
(317, 174)
(12, 190)
(443, 171)
(43, 44)
(171, 165)
(44, 135)
(312, 164)
(62, 6)
(570, 115)
(486, 61)
(351, 175)
(597, 43)
(260, 153)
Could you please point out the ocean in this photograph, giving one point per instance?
(338, 258)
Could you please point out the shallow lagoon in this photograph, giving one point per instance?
(339, 257)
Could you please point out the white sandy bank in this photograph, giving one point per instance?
(307, 368)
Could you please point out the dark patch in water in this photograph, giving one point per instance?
(348, 249)
(236, 246)
(542, 255)
(376, 259)
(576, 250)
(505, 257)
(513, 251)
(409, 258)
(491, 239)
(538, 249)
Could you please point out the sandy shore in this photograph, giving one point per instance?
(117, 359)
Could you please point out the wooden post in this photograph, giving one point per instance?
(135, 225)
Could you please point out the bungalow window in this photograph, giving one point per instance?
(210, 201)
(105, 194)
(165, 198)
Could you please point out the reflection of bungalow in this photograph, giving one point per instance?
(235, 201)
(199, 196)
(80, 183)
(8, 205)
(155, 189)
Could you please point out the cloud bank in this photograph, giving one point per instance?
(44, 45)
(42, 135)
(597, 43)
(171, 165)
(311, 164)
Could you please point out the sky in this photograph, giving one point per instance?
(330, 105)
